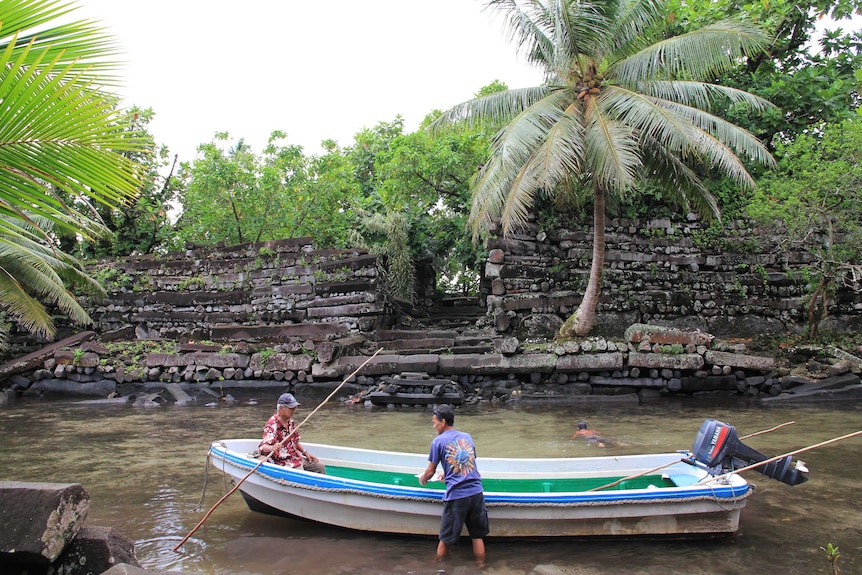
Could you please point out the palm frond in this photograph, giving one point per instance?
(698, 55)
(682, 129)
(56, 133)
(82, 45)
(524, 28)
(632, 24)
(61, 137)
(702, 94)
(678, 180)
(612, 152)
(507, 174)
(22, 307)
(491, 110)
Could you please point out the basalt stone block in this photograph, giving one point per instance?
(87, 359)
(169, 359)
(102, 387)
(426, 343)
(281, 362)
(666, 335)
(95, 550)
(690, 361)
(739, 360)
(327, 351)
(390, 334)
(348, 310)
(315, 331)
(323, 289)
(38, 520)
(495, 363)
(221, 360)
(708, 383)
(589, 362)
(640, 382)
(379, 365)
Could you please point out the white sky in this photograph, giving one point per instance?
(317, 69)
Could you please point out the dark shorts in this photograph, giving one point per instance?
(457, 513)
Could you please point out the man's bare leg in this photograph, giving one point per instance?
(478, 551)
(442, 551)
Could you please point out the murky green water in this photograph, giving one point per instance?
(144, 470)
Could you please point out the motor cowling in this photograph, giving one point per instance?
(718, 448)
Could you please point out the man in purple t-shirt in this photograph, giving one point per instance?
(464, 500)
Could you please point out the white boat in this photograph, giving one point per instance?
(687, 493)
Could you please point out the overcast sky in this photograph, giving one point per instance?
(319, 69)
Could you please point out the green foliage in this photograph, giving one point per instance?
(5, 326)
(832, 555)
(135, 352)
(63, 150)
(143, 225)
(112, 279)
(416, 192)
(673, 349)
(809, 82)
(235, 196)
(816, 185)
(813, 200)
(492, 88)
(264, 356)
(192, 283)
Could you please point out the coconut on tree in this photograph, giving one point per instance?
(621, 104)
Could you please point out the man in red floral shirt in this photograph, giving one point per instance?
(279, 427)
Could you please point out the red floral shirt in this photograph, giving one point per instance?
(274, 432)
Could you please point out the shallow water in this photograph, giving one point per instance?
(145, 470)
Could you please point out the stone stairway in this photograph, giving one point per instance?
(448, 328)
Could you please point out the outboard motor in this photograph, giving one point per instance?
(718, 448)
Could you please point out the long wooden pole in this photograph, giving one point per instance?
(618, 481)
(653, 470)
(777, 457)
(767, 430)
(275, 448)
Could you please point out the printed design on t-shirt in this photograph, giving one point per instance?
(460, 457)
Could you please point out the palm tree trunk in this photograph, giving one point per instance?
(581, 322)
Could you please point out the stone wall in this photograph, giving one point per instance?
(657, 273)
(269, 291)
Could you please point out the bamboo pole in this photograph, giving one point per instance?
(653, 470)
(275, 448)
(618, 481)
(767, 430)
(777, 457)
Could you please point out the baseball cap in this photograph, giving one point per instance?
(288, 400)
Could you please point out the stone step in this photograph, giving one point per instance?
(428, 343)
(396, 334)
(383, 398)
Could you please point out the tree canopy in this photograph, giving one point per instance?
(813, 200)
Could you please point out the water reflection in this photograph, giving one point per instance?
(144, 470)
(158, 553)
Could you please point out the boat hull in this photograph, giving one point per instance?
(680, 506)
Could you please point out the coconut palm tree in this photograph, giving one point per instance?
(621, 104)
(62, 145)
